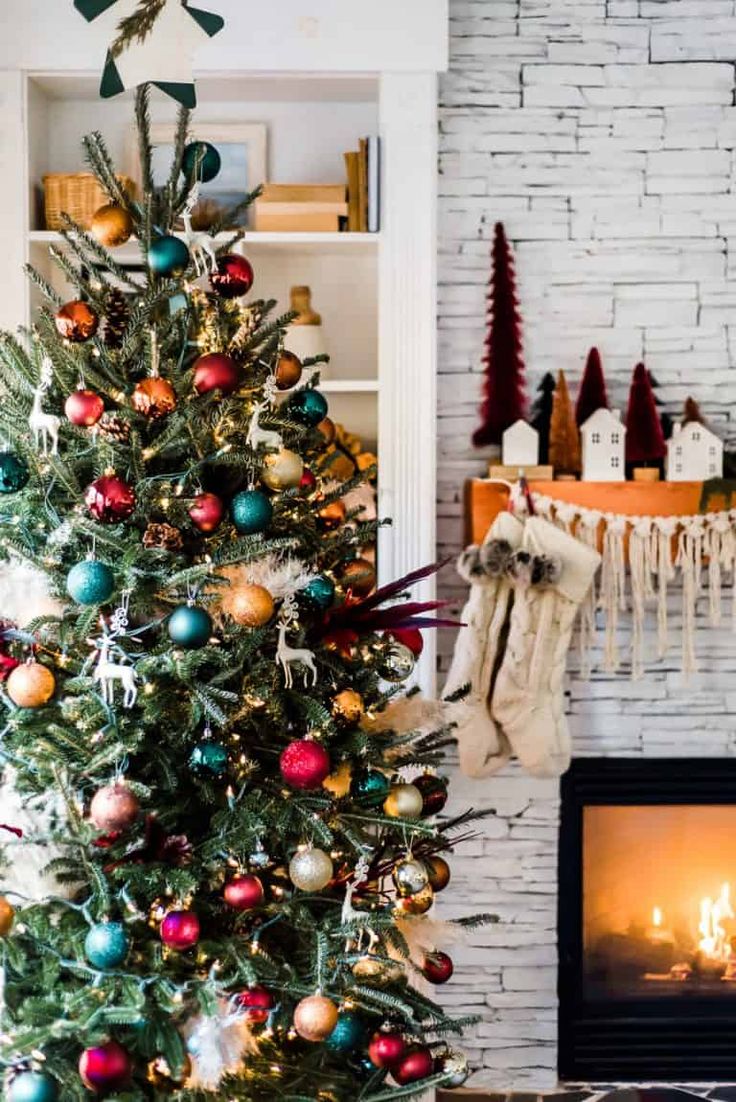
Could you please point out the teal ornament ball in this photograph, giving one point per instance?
(90, 583)
(106, 945)
(33, 1086)
(13, 473)
(251, 511)
(308, 407)
(200, 161)
(348, 1034)
(318, 594)
(208, 759)
(370, 788)
(189, 626)
(168, 256)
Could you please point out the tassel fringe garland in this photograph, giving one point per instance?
(661, 551)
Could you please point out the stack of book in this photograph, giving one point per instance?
(301, 208)
(364, 176)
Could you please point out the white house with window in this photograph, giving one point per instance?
(694, 454)
(603, 437)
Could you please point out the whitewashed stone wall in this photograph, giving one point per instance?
(603, 134)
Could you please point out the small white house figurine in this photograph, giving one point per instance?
(694, 454)
(603, 438)
(520, 447)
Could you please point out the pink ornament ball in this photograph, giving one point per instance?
(305, 764)
(106, 1068)
(180, 930)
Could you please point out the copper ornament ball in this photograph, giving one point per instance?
(114, 807)
(76, 321)
(332, 516)
(288, 370)
(154, 398)
(359, 576)
(315, 1018)
(7, 916)
(347, 707)
(251, 606)
(439, 872)
(31, 685)
(111, 225)
(417, 904)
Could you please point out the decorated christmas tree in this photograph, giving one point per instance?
(541, 413)
(645, 444)
(592, 394)
(564, 438)
(221, 815)
(504, 393)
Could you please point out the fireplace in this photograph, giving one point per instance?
(647, 920)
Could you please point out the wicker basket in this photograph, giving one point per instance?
(77, 194)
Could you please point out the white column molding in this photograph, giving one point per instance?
(407, 333)
(13, 199)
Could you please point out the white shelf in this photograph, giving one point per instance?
(349, 386)
(293, 242)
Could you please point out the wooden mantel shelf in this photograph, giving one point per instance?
(485, 499)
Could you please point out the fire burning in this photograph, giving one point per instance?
(715, 936)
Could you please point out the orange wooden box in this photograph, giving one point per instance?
(484, 499)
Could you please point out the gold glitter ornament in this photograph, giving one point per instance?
(315, 1018)
(348, 707)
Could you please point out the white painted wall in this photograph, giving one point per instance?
(603, 134)
(316, 35)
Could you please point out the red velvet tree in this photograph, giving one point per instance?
(644, 437)
(504, 393)
(592, 394)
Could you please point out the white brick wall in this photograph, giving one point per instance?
(603, 134)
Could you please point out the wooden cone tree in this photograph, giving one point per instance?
(645, 444)
(541, 414)
(564, 438)
(691, 412)
(504, 393)
(592, 394)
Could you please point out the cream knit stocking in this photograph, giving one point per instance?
(553, 574)
(483, 749)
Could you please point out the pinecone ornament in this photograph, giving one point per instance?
(116, 318)
(114, 427)
(163, 536)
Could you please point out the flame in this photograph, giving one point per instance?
(657, 917)
(714, 941)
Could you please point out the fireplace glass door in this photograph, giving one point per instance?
(647, 921)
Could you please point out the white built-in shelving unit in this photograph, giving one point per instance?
(375, 292)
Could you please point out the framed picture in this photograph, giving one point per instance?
(242, 148)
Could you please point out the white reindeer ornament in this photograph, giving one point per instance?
(258, 437)
(108, 672)
(44, 426)
(287, 656)
(201, 245)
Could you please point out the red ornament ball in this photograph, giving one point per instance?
(434, 793)
(305, 764)
(386, 1049)
(109, 499)
(216, 371)
(410, 637)
(437, 967)
(84, 408)
(180, 930)
(415, 1065)
(106, 1068)
(308, 481)
(256, 1002)
(234, 276)
(114, 808)
(243, 893)
(76, 321)
(206, 512)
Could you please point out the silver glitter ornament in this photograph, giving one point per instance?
(455, 1065)
(310, 869)
(396, 663)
